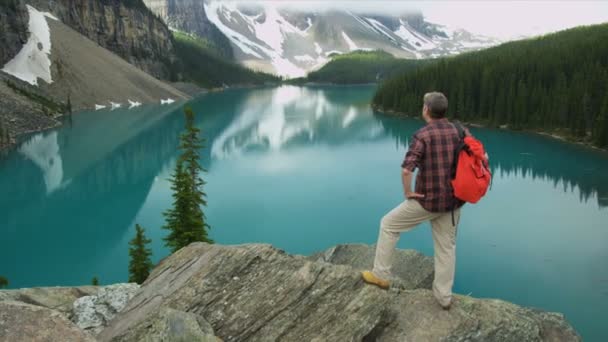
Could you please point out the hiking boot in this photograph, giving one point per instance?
(371, 278)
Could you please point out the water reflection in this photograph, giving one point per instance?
(43, 150)
(276, 119)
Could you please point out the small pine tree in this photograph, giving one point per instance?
(3, 282)
(95, 281)
(186, 220)
(140, 263)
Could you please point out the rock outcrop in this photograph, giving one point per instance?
(259, 293)
(256, 292)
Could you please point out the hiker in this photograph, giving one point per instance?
(432, 151)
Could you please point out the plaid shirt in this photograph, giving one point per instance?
(432, 152)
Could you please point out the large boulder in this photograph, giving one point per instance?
(26, 322)
(259, 293)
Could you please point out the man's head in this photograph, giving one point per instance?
(435, 106)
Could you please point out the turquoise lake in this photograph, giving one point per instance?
(302, 169)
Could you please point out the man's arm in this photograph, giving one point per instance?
(412, 160)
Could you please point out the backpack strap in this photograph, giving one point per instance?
(459, 147)
(460, 129)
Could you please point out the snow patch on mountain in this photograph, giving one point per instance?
(351, 45)
(33, 62)
(269, 35)
(380, 28)
(417, 41)
(304, 58)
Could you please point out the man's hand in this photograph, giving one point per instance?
(413, 195)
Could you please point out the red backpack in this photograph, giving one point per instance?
(471, 176)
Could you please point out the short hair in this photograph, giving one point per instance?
(437, 104)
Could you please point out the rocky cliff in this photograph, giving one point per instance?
(127, 28)
(259, 293)
(13, 29)
(189, 16)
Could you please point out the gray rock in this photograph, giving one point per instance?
(411, 269)
(92, 313)
(259, 293)
(167, 324)
(60, 299)
(25, 322)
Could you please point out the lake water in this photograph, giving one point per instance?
(302, 169)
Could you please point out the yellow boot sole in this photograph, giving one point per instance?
(370, 278)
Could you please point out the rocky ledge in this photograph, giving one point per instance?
(259, 293)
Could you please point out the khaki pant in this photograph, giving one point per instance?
(404, 218)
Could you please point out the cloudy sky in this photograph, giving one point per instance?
(501, 19)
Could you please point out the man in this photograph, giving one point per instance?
(431, 151)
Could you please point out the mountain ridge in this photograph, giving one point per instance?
(292, 42)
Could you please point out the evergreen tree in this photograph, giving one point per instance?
(95, 281)
(3, 282)
(140, 263)
(186, 221)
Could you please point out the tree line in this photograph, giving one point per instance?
(556, 83)
(361, 67)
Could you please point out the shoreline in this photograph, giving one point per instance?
(552, 135)
(15, 140)
(18, 137)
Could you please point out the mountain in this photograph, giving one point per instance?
(554, 83)
(290, 42)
